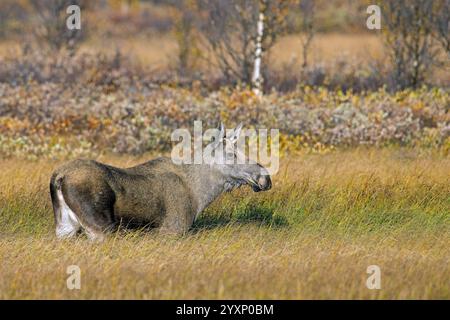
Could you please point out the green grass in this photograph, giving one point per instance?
(326, 219)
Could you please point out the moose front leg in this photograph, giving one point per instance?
(179, 209)
(178, 219)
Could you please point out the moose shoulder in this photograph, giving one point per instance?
(93, 197)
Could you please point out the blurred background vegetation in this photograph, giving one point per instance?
(138, 69)
(313, 42)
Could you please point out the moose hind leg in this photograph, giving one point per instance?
(94, 210)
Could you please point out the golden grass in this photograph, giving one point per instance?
(160, 51)
(157, 52)
(327, 218)
(328, 47)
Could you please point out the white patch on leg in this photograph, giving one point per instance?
(69, 224)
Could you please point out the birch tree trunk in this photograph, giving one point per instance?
(257, 79)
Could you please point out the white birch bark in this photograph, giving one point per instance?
(257, 77)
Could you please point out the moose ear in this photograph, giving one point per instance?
(218, 140)
(235, 133)
(222, 132)
(237, 130)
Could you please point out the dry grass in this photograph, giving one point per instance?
(313, 235)
(160, 51)
(328, 47)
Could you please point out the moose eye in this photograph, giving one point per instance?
(231, 156)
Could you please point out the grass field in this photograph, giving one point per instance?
(160, 52)
(326, 219)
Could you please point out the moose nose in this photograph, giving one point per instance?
(265, 182)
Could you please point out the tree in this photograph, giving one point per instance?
(186, 14)
(257, 78)
(441, 20)
(51, 25)
(307, 11)
(408, 38)
(231, 28)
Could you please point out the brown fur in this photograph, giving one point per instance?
(96, 197)
(156, 192)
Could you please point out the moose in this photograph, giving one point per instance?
(94, 197)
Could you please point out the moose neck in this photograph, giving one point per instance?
(207, 184)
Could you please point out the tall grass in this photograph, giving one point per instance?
(327, 218)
